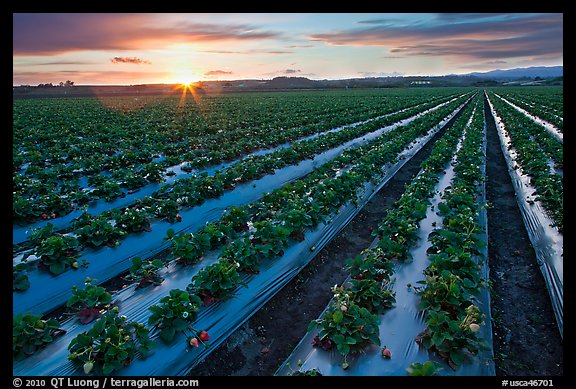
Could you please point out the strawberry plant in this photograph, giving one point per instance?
(429, 368)
(296, 220)
(145, 272)
(130, 179)
(20, 277)
(187, 248)
(39, 234)
(174, 313)
(451, 337)
(237, 218)
(217, 234)
(112, 343)
(153, 172)
(58, 253)
(369, 266)
(134, 219)
(371, 294)
(108, 191)
(243, 252)
(89, 302)
(167, 209)
(270, 239)
(216, 282)
(30, 333)
(348, 326)
(99, 232)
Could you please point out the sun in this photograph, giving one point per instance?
(184, 79)
(187, 82)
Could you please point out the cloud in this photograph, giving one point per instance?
(133, 60)
(216, 73)
(473, 37)
(253, 51)
(52, 33)
(292, 71)
(381, 74)
(51, 63)
(299, 46)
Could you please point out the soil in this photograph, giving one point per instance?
(526, 338)
(262, 344)
(527, 341)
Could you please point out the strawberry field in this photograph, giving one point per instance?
(148, 230)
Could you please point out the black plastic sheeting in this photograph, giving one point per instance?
(220, 319)
(47, 291)
(400, 325)
(547, 242)
(96, 207)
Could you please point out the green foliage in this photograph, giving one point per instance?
(30, 332)
(217, 281)
(174, 313)
(58, 252)
(145, 272)
(429, 368)
(112, 343)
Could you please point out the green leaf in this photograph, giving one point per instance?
(107, 368)
(351, 340)
(311, 326)
(343, 348)
(99, 326)
(167, 334)
(438, 338)
(179, 324)
(338, 316)
(457, 356)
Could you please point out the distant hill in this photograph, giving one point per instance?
(531, 72)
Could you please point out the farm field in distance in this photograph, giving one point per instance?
(393, 231)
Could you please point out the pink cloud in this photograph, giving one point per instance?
(43, 34)
(132, 60)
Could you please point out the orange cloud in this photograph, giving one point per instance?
(132, 60)
(44, 34)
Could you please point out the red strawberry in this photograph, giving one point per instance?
(204, 337)
(386, 353)
(193, 342)
(53, 216)
(179, 217)
(44, 216)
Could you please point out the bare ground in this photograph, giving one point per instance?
(527, 341)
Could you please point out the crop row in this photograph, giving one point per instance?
(23, 206)
(453, 277)
(367, 294)
(535, 148)
(328, 194)
(120, 153)
(547, 104)
(59, 252)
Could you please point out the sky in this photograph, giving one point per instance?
(129, 49)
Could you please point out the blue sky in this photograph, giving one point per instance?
(99, 49)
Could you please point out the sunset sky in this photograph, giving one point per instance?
(124, 49)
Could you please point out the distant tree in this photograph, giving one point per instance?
(69, 83)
